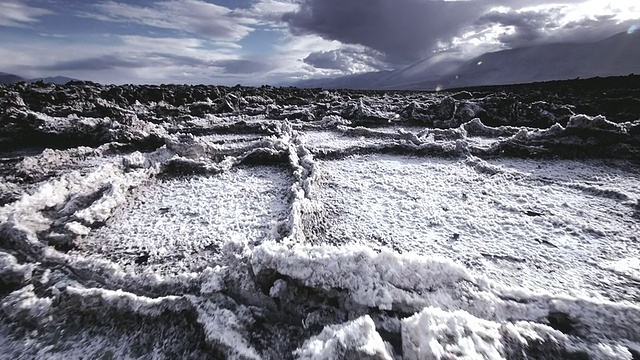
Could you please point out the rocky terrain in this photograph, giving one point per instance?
(235, 222)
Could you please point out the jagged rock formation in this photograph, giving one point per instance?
(215, 222)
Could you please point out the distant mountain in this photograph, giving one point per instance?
(9, 78)
(6, 78)
(359, 81)
(429, 69)
(60, 80)
(615, 55)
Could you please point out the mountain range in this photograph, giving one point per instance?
(615, 55)
(6, 78)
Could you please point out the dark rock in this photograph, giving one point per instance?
(362, 114)
(561, 322)
(294, 100)
(418, 112)
(202, 109)
(462, 95)
(636, 210)
(498, 110)
(467, 111)
(446, 109)
(505, 109)
(142, 259)
(541, 114)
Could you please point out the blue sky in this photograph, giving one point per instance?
(275, 41)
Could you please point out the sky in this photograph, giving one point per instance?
(255, 42)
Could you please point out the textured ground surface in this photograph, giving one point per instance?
(204, 222)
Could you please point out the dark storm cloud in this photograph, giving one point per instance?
(348, 60)
(528, 26)
(403, 30)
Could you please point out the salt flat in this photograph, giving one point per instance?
(291, 223)
(180, 224)
(511, 226)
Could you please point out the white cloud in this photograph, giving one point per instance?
(192, 16)
(166, 44)
(291, 52)
(127, 59)
(15, 13)
(268, 12)
(504, 27)
(350, 59)
(619, 10)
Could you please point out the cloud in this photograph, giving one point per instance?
(106, 62)
(290, 53)
(348, 59)
(307, 38)
(525, 27)
(240, 66)
(139, 59)
(151, 60)
(163, 44)
(192, 16)
(587, 21)
(126, 61)
(267, 12)
(403, 30)
(15, 13)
